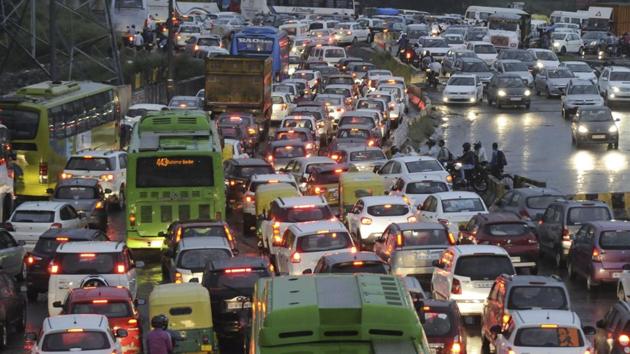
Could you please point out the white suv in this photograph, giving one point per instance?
(466, 274)
(109, 167)
(303, 244)
(77, 333)
(614, 83)
(94, 263)
(370, 216)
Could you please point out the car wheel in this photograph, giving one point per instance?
(32, 295)
(621, 294)
(590, 284)
(558, 259)
(570, 270)
(355, 41)
(563, 51)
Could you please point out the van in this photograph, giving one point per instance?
(329, 54)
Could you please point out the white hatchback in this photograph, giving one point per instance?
(451, 209)
(465, 273)
(463, 88)
(403, 165)
(370, 216)
(417, 187)
(192, 255)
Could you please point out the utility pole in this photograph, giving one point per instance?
(52, 42)
(170, 83)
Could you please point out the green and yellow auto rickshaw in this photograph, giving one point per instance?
(355, 185)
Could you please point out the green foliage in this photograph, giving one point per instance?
(385, 61)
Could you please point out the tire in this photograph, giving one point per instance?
(22, 275)
(563, 51)
(570, 271)
(32, 295)
(480, 185)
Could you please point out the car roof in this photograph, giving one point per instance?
(357, 113)
(574, 62)
(383, 199)
(91, 246)
(576, 203)
(290, 142)
(250, 162)
(314, 159)
(198, 222)
(96, 153)
(506, 61)
(111, 293)
(71, 234)
(412, 158)
(419, 226)
(311, 227)
(78, 182)
(270, 177)
(540, 317)
(421, 176)
(343, 257)
(509, 76)
(289, 202)
(456, 195)
(501, 216)
(83, 321)
(471, 59)
(203, 242)
(468, 250)
(610, 225)
(248, 260)
(42, 205)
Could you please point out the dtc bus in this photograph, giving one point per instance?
(263, 42)
(174, 172)
(50, 121)
(306, 314)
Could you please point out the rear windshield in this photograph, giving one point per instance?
(297, 123)
(549, 337)
(244, 279)
(76, 193)
(541, 202)
(424, 166)
(541, 296)
(426, 187)
(388, 210)
(367, 155)
(305, 76)
(302, 136)
(615, 240)
(335, 53)
(87, 263)
(325, 241)
(89, 164)
(201, 231)
(483, 267)
(335, 101)
(585, 214)
(277, 100)
(107, 309)
(507, 229)
(230, 132)
(337, 91)
(353, 133)
(248, 171)
(462, 205)
(302, 214)
(437, 324)
(46, 245)
(425, 238)
(359, 267)
(356, 120)
(328, 177)
(75, 341)
(21, 124)
(33, 216)
(371, 104)
(285, 152)
(197, 259)
(209, 42)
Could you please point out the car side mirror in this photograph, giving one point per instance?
(30, 336)
(600, 324)
(121, 333)
(139, 302)
(194, 280)
(57, 304)
(496, 329)
(376, 169)
(107, 190)
(589, 330)
(307, 271)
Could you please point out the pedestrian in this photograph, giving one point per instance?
(498, 161)
(468, 160)
(159, 340)
(433, 149)
(444, 154)
(480, 152)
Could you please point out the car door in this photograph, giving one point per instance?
(282, 254)
(10, 300)
(122, 171)
(70, 218)
(427, 211)
(353, 217)
(11, 254)
(602, 82)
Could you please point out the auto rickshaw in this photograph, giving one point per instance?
(187, 306)
(355, 185)
(267, 193)
(324, 181)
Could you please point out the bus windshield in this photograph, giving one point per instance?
(503, 25)
(179, 171)
(21, 124)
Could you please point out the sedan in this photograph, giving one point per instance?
(594, 125)
(508, 89)
(580, 93)
(552, 82)
(463, 88)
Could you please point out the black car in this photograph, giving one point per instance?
(44, 251)
(237, 174)
(87, 197)
(230, 283)
(594, 125)
(508, 89)
(12, 309)
(613, 331)
(594, 41)
(346, 262)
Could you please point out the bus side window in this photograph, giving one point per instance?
(91, 111)
(80, 116)
(57, 122)
(70, 119)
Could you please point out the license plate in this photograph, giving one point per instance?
(515, 98)
(206, 348)
(599, 136)
(483, 284)
(238, 305)
(616, 275)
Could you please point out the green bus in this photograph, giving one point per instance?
(50, 121)
(335, 313)
(174, 172)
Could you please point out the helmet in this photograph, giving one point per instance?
(477, 145)
(159, 321)
(466, 146)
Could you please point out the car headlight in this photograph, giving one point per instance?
(615, 89)
(582, 129)
(612, 129)
(594, 43)
(528, 92)
(540, 65)
(556, 44)
(501, 93)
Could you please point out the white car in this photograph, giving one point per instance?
(137, 111)
(363, 158)
(455, 40)
(207, 46)
(438, 47)
(579, 93)
(108, 166)
(545, 59)
(403, 165)
(484, 50)
(374, 76)
(396, 108)
(93, 263)
(580, 69)
(466, 273)
(249, 197)
(417, 187)
(397, 90)
(334, 103)
(451, 209)
(287, 88)
(330, 54)
(369, 216)
(284, 212)
(301, 168)
(463, 88)
(303, 244)
(192, 255)
(543, 331)
(566, 42)
(351, 32)
(614, 83)
(517, 67)
(281, 105)
(89, 333)
(31, 219)
(299, 121)
(313, 78)
(185, 33)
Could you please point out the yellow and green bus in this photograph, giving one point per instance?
(174, 173)
(335, 313)
(50, 121)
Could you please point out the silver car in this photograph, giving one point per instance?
(552, 82)
(365, 158)
(580, 93)
(12, 255)
(517, 67)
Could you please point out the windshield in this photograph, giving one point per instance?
(209, 42)
(515, 67)
(388, 210)
(324, 241)
(327, 177)
(583, 90)
(297, 123)
(189, 29)
(89, 164)
(353, 133)
(284, 152)
(367, 155)
(425, 238)
(284, 88)
(461, 81)
(462, 205)
(579, 68)
(543, 297)
(594, 35)
(584, 214)
(475, 67)
(507, 229)
(338, 91)
(340, 81)
(485, 49)
(434, 43)
(595, 115)
(86, 263)
(544, 55)
(558, 36)
(35, 216)
(380, 73)
(454, 40)
(292, 135)
(560, 74)
(107, 309)
(334, 101)
(76, 193)
(303, 75)
(175, 171)
(541, 202)
(356, 120)
(503, 25)
(200, 231)
(511, 82)
(561, 337)
(478, 267)
(426, 187)
(302, 213)
(184, 103)
(517, 55)
(371, 104)
(614, 76)
(137, 112)
(47, 245)
(423, 166)
(197, 259)
(615, 240)
(75, 341)
(437, 324)
(335, 53)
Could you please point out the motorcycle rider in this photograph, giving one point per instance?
(468, 160)
(403, 43)
(444, 154)
(432, 67)
(159, 340)
(480, 152)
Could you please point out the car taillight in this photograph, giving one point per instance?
(456, 288)
(411, 219)
(132, 219)
(456, 347)
(443, 222)
(53, 268)
(296, 258)
(99, 205)
(371, 143)
(319, 190)
(55, 225)
(132, 322)
(589, 350)
(366, 221)
(251, 131)
(66, 175)
(597, 255)
(565, 234)
(510, 351)
(277, 239)
(196, 47)
(43, 172)
(624, 340)
(178, 277)
(449, 179)
(8, 226)
(106, 178)
(270, 158)
(408, 55)
(250, 199)
(121, 269)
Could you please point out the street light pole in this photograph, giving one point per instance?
(52, 23)
(170, 82)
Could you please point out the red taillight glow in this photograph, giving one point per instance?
(357, 263)
(132, 219)
(53, 268)
(249, 199)
(296, 258)
(624, 340)
(596, 255)
(87, 255)
(456, 348)
(456, 288)
(121, 269)
(100, 301)
(270, 158)
(238, 270)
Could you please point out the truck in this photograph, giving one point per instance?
(614, 17)
(239, 84)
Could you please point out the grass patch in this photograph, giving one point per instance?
(384, 60)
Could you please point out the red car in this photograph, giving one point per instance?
(443, 327)
(507, 230)
(113, 302)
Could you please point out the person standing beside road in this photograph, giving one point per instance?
(159, 340)
(498, 161)
(469, 161)
(444, 154)
(480, 152)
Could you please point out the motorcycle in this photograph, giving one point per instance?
(477, 179)
(432, 78)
